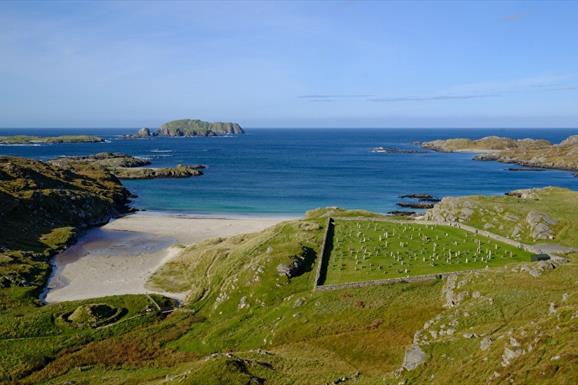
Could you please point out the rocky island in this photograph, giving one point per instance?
(128, 167)
(28, 139)
(191, 127)
(530, 153)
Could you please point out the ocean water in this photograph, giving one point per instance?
(289, 171)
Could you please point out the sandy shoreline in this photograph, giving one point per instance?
(119, 257)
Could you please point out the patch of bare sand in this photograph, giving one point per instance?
(119, 257)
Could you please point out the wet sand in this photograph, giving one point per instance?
(119, 257)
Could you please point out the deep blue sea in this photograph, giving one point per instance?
(289, 171)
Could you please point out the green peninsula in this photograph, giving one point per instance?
(26, 139)
(525, 152)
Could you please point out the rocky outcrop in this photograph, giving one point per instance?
(541, 225)
(180, 171)
(524, 193)
(108, 160)
(416, 205)
(40, 196)
(298, 264)
(532, 153)
(129, 167)
(144, 133)
(417, 196)
(414, 357)
(451, 209)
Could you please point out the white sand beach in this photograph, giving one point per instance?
(119, 257)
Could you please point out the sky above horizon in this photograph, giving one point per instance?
(289, 64)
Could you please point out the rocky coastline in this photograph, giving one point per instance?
(44, 207)
(528, 153)
(31, 140)
(179, 171)
(129, 167)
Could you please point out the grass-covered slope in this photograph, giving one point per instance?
(255, 292)
(31, 337)
(546, 215)
(515, 323)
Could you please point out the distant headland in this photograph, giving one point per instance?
(536, 153)
(28, 139)
(191, 127)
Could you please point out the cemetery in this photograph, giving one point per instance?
(367, 250)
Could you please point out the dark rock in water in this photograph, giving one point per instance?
(144, 133)
(416, 205)
(540, 257)
(401, 213)
(417, 196)
(434, 200)
(525, 169)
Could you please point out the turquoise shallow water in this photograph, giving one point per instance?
(288, 171)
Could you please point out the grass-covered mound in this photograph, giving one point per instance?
(93, 315)
(373, 250)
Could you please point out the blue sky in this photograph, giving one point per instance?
(289, 64)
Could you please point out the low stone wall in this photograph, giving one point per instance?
(387, 281)
(325, 251)
(324, 254)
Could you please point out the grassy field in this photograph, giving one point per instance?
(370, 250)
